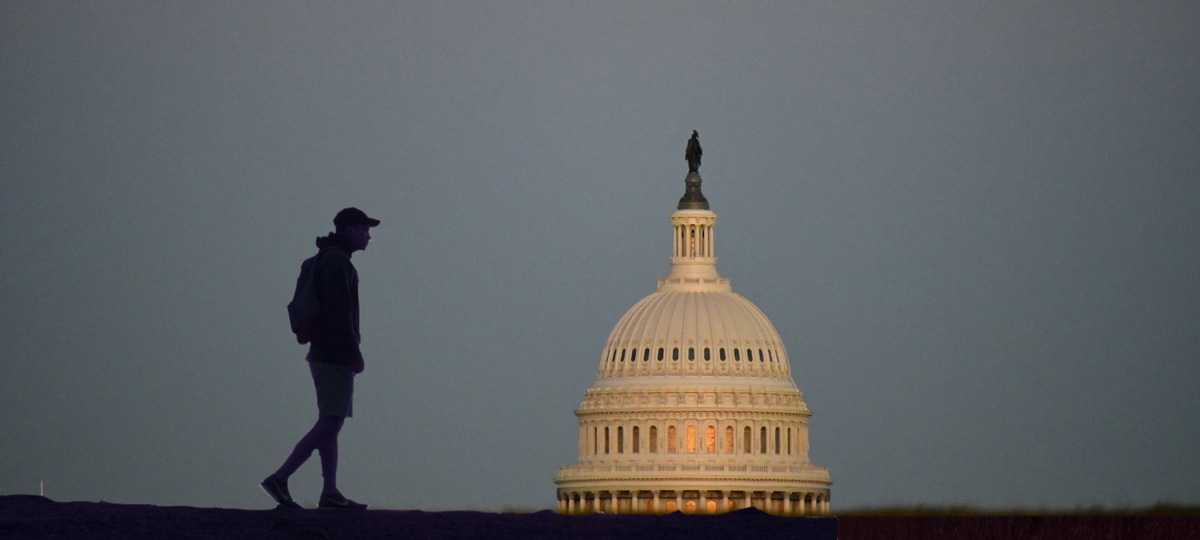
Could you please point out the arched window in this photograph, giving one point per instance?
(707, 356)
(637, 446)
(789, 441)
(710, 440)
(653, 439)
(691, 353)
(737, 356)
(729, 439)
(770, 356)
(633, 355)
(605, 440)
(721, 354)
(595, 441)
(749, 355)
(621, 440)
(613, 358)
(776, 441)
(672, 445)
(762, 440)
(746, 441)
(691, 439)
(646, 355)
(675, 353)
(660, 354)
(760, 356)
(622, 355)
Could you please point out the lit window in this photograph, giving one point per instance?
(691, 439)
(671, 442)
(710, 439)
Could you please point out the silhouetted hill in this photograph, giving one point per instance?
(33, 517)
(28, 517)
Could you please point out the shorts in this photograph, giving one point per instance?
(335, 389)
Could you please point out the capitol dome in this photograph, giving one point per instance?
(694, 408)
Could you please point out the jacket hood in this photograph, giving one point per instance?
(336, 240)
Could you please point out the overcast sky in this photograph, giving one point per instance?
(976, 226)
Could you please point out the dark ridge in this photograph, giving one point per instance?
(26, 517)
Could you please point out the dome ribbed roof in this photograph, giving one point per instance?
(694, 333)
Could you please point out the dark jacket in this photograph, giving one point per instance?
(337, 338)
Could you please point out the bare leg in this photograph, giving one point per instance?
(329, 463)
(322, 436)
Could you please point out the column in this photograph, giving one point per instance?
(787, 504)
(748, 494)
(724, 502)
(657, 505)
(702, 506)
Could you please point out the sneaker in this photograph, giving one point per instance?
(340, 502)
(278, 490)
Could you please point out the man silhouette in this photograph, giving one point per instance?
(333, 358)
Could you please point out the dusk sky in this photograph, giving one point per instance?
(975, 225)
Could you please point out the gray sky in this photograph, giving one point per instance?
(976, 226)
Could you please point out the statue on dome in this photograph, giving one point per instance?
(693, 152)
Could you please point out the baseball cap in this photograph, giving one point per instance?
(353, 216)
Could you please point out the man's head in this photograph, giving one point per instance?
(354, 223)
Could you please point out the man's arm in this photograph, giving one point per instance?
(336, 282)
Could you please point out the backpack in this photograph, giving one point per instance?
(304, 311)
